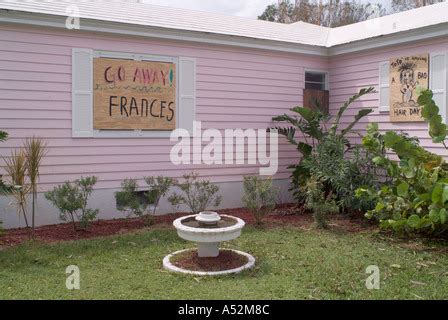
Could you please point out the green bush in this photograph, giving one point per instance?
(259, 197)
(128, 199)
(198, 195)
(71, 199)
(340, 174)
(414, 199)
(327, 155)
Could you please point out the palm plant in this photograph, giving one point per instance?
(16, 168)
(312, 126)
(35, 151)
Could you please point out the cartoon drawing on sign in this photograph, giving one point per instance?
(406, 75)
(407, 80)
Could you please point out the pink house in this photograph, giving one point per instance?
(230, 73)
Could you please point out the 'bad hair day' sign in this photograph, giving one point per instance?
(406, 75)
(134, 95)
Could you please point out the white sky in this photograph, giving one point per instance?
(242, 8)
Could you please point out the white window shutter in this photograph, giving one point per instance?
(187, 93)
(82, 93)
(438, 81)
(384, 87)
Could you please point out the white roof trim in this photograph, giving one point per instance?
(145, 20)
(160, 33)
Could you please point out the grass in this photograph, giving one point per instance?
(292, 263)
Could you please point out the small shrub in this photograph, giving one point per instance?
(319, 203)
(129, 201)
(259, 197)
(198, 195)
(71, 199)
(159, 187)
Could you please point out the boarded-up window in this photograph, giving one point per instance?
(179, 75)
(316, 100)
(315, 94)
(134, 95)
(438, 82)
(406, 75)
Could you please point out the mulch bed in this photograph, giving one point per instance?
(285, 215)
(226, 260)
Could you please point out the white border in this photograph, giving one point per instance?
(172, 268)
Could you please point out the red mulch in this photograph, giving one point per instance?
(283, 215)
(226, 260)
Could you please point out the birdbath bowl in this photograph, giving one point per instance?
(208, 229)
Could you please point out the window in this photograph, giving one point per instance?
(315, 80)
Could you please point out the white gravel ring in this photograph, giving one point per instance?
(172, 268)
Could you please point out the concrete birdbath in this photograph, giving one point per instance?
(208, 229)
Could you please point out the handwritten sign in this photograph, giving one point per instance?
(406, 75)
(134, 95)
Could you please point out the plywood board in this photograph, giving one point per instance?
(134, 95)
(406, 75)
(317, 100)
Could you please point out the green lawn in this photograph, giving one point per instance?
(292, 263)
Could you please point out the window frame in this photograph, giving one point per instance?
(318, 71)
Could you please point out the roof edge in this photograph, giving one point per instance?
(90, 25)
(403, 37)
(53, 21)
